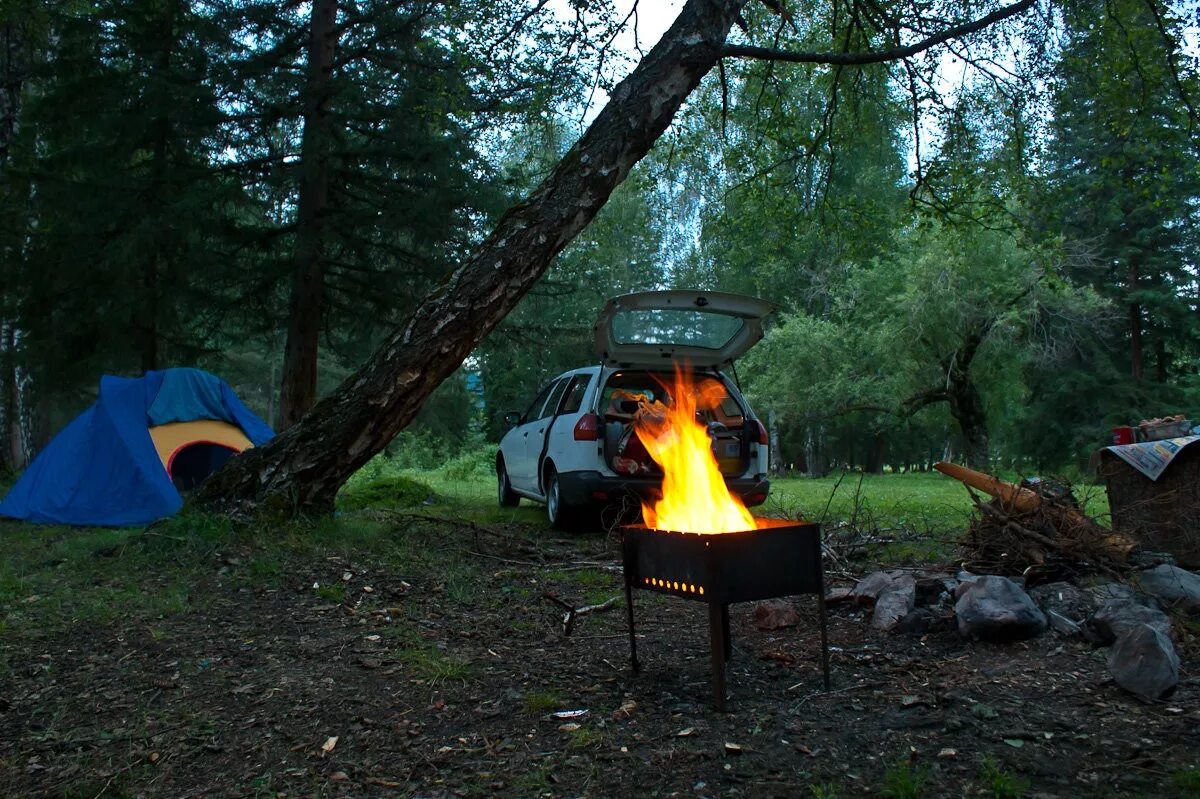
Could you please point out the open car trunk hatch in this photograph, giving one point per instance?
(708, 329)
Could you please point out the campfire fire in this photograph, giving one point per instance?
(695, 498)
(674, 553)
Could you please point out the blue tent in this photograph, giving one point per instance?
(114, 465)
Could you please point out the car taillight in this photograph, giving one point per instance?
(587, 428)
(762, 433)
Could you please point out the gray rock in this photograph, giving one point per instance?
(894, 605)
(996, 609)
(876, 584)
(1172, 585)
(1143, 661)
(1064, 599)
(1062, 625)
(1144, 559)
(1101, 594)
(965, 579)
(1118, 616)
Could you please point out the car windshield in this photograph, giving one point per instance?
(674, 326)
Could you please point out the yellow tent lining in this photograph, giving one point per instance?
(170, 438)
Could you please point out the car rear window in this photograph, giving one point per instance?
(675, 326)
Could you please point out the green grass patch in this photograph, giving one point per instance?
(1186, 783)
(389, 491)
(999, 783)
(434, 665)
(904, 781)
(539, 703)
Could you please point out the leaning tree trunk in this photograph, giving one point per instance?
(302, 469)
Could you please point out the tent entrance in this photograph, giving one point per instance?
(192, 463)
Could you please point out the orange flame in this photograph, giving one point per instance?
(695, 498)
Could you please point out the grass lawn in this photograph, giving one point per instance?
(395, 652)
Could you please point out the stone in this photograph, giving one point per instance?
(775, 614)
(1062, 625)
(838, 594)
(876, 584)
(1065, 599)
(1103, 592)
(1172, 585)
(995, 608)
(1143, 661)
(1118, 616)
(894, 605)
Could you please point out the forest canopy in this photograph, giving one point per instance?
(982, 236)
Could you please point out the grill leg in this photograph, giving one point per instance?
(717, 616)
(725, 632)
(633, 659)
(824, 635)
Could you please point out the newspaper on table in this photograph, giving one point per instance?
(1152, 458)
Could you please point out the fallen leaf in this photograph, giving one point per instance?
(782, 657)
(153, 757)
(346, 576)
(569, 714)
(372, 638)
(909, 700)
(1015, 743)
(569, 727)
(686, 732)
(804, 750)
(732, 749)
(626, 709)
(330, 742)
(947, 753)
(339, 776)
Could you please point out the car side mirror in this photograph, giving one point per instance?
(512, 418)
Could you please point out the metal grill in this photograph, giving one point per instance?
(782, 558)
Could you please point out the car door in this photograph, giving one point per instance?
(522, 466)
(534, 438)
(569, 453)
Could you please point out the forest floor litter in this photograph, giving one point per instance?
(359, 674)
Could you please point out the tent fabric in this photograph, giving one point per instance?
(103, 468)
(170, 439)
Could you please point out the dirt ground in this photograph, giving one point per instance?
(352, 678)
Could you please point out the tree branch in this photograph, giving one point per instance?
(875, 57)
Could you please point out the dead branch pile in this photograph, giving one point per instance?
(1047, 540)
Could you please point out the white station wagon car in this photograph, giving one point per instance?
(574, 447)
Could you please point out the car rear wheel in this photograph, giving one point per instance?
(559, 514)
(508, 498)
